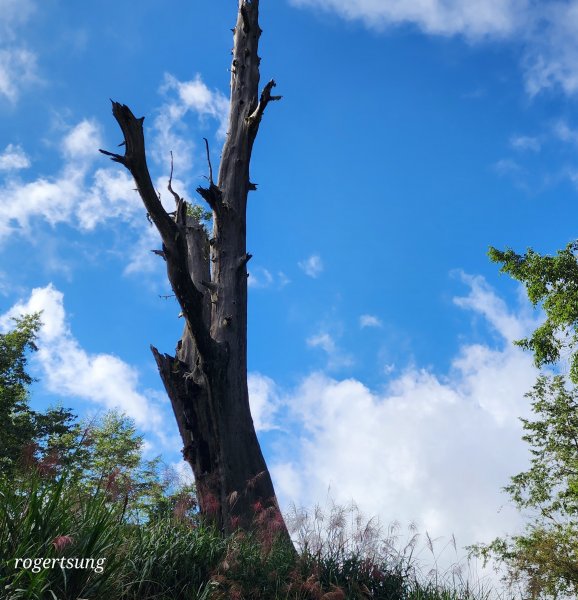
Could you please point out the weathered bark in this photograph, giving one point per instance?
(207, 379)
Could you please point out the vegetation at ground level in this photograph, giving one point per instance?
(72, 489)
(172, 554)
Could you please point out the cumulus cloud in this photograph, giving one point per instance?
(70, 371)
(169, 128)
(312, 266)
(369, 321)
(552, 50)
(13, 158)
(84, 196)
(78, 195)
(264, 401)
(426, 448)
(82, 141)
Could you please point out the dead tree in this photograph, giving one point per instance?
(207, 378)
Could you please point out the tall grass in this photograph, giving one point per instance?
(169, 558)
(340, 555)
(53, 518)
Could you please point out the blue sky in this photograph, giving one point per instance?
(411, 136)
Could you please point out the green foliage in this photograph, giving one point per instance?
(169, 558)
(199, 213)
(82, 490)
(52, 518)
(17, 425)
(552, 282)
(551, 483)
(25, 434)
(341, 556)
(545, 557)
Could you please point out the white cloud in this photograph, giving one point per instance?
(13, 158)
(498, 18)
(323, 341)
(427, 448)
(264, 401)
(565, 133)
(259, 277)
(544, 32)
(552, 48)
(183, 472)
(336, 357)
(507, 166)
(312, 266)
(483, 301)
(141, 259)
(14, 13)
(369, 321)
(82, 141)
(169, 128)
(525, 142)
(77, 195)
(17, 70)
(68, 370)
(84, 197)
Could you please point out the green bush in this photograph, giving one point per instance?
(54, 519)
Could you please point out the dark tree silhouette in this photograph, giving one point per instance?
(207, 378)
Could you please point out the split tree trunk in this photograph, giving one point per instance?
(207, 379)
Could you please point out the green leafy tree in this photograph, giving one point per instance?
(552, 283)
(17, 425)
(545, 557)
(25, 434)
(105, 452)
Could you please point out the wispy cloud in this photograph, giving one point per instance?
(14, 13)
(312, 266)
(482, 300)
(261, 278)
(18, 63)
(525, 142)
(543, 32)
(498, 18)
(18, 69)
(369, 321)
(506, 166)
(565, 133)
(336, 357)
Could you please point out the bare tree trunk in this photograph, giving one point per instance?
(207, 379)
